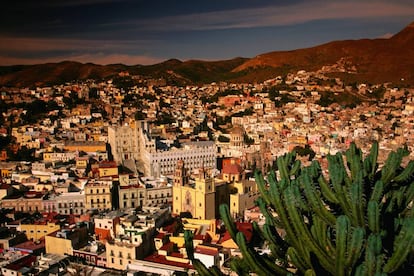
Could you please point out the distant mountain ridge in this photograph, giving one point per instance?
(372, 60)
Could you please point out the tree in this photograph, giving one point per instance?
(356, 220)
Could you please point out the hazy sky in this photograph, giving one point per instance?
(151, 31)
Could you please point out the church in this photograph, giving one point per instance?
(197, 196)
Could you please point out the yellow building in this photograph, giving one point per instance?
(58, 245)
(82, 162)
(245, 197)
(86, 146)
(98, 194)
(120, 254)
(7, 170)
(31, 202)
(64, 241)
(196, 198)
(38, 231)
(108, 168)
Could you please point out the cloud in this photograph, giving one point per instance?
(273, 15)
(99, 58)
(387, 35)
(24, 44)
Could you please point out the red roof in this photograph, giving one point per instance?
(155, 258)
(206, 251)
(167, 246)
(160, 235)
(30, 245)
(26, 261)
(232, 166)
(245, 227)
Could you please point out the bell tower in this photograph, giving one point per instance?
(180, 175)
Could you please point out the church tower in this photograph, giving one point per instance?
(205, 199)
(196, 198)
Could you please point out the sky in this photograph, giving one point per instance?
(151, 31)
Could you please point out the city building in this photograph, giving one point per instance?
(98, 194)
(195, 197)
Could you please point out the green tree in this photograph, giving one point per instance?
(355, 220)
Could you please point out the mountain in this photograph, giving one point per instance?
(375, 60)
(364, 60)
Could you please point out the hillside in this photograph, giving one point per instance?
(371, 60)
(375, 60)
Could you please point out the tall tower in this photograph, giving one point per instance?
(180, 182)
(205, 198)
(198, 199)
(180, 175)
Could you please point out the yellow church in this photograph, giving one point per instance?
(197, 196)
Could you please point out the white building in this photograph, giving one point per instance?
(194, 154)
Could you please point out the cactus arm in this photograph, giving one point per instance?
(409, 194)
(377, 192)
(315, 200)
(295, 168)
(358, 201)
(258, 176)
(310, 272)
(275, 241)
(326, 190)
(342, 232)
(373, 216)
(319, 231)
(403, 245)
(237, 265)
(337, 176)
(406, 174)
(304, 233)
(370, 162)
(270, 219)
(300, 202)
(391, 165)
(373, 258)
(282, 166)
(355, 247)
(297, 260)
(282, 212)
(228, 221)
(361, 270)
(257, 263)
(204, 271)
(188, 242)
(354, 160)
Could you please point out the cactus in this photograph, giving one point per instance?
(356, 220)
